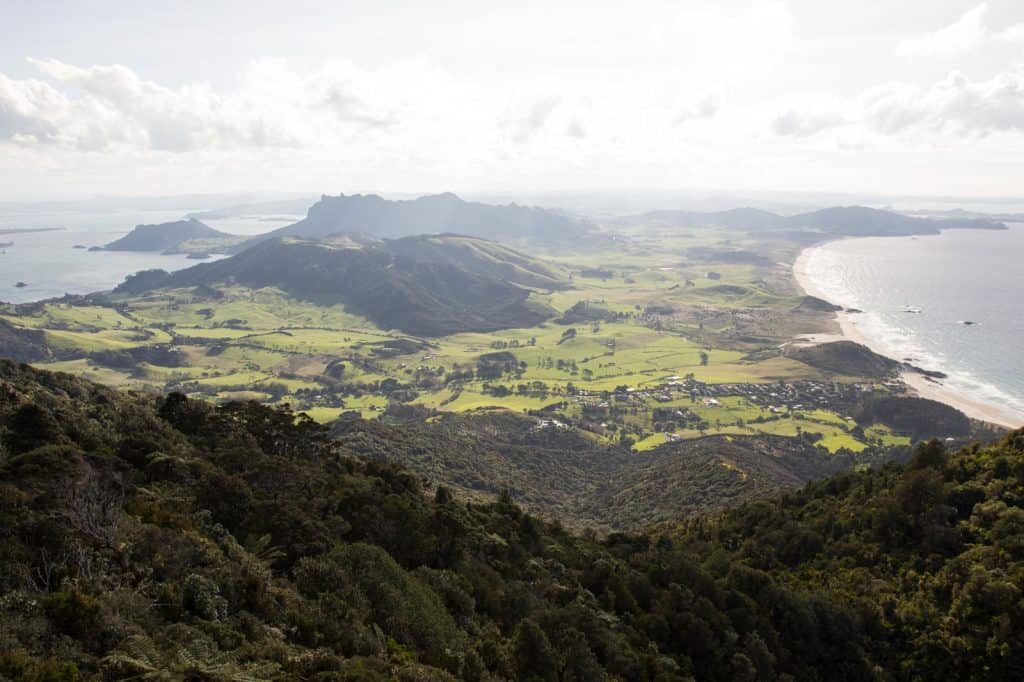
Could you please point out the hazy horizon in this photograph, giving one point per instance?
(583, 202)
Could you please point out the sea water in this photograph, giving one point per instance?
(917, 295)
(50, 266)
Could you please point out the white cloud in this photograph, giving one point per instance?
(534, 120)
(101, 107)
(156, 117)
(547, 120)
(962, 36)
(802, 124)
(706, 107)
(29, 110)
(957, 38)
(954, 105)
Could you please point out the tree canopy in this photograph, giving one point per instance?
(146, 537)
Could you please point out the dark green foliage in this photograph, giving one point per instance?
(584, 312)
(846, 357)
(143, 281)
(24, 345)
(158, 538)
(30, 426)
(561, 472)
(427, 286)
(534, 656)
(917, 417)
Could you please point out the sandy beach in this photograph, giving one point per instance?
(923, 386)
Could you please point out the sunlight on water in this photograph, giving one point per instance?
(916, 293)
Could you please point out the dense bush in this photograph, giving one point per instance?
(145, 537)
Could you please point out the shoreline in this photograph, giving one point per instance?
(919, 384)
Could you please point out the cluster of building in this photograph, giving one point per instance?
(776, 397)
(779, 397)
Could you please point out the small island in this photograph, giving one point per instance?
(20, 285)
(180, 237)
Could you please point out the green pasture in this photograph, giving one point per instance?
(246, 344)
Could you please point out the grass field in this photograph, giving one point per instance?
(665, 316)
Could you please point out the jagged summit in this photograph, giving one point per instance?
(430, 214)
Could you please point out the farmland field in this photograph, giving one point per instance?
(640, 338)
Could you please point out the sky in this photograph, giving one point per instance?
(920, 97)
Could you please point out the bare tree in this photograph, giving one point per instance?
(94, 504)
(47, 574)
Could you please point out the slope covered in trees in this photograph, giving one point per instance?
(24, 345)
(146, 537)
(429, 286)
(846, 358)
(556, 471)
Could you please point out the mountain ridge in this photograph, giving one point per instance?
(838, 220)
(455, 284)
(429, 214)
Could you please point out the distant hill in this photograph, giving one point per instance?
(864, 221)
(439, 213)
(170, 237)
(838, 220)
(427, 285)
(846, 357)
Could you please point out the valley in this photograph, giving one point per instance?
(652, 353)
(670, 335)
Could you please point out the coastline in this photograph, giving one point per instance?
(919, 384)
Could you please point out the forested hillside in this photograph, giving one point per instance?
(153, 537)
(560, 472)
(430, 286)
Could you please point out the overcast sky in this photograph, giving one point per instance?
(910, 97)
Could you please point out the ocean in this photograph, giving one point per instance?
(49, 264)
(916, 294)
